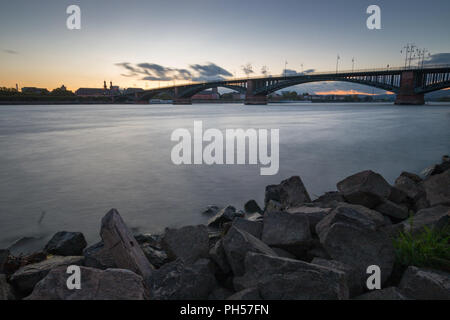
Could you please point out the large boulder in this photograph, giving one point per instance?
(246, 294)
(237, 243)
(273, 206)
(288, 231)
(393, 210)
(6, 291)
(4, 256)
(328, 198)
(97, 256)
(180, 281)
(425, 284)
(156, 257)
(187, 243)
(360, 247)
(366, 188)
(252, 206)
(352, 214)
(432, 218)
(123, 247)
(289, 193)
(252, 227)
(109, 284)
(217, 254)
(225, 215)
(389, 293)
(66, 243)
(412, 186)
(26, 277)
(353, 280)
(314, 214)
(437, 189)
(287, 279)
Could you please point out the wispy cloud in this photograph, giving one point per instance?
(156, 72)
(438, 58)
(9, 51)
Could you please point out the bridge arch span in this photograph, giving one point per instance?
(290, 83)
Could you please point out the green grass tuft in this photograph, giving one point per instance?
(429, 248)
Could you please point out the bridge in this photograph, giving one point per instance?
(409, 84)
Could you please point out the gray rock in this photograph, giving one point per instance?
(398, 196)
(225, 215)
(281, 278)
(217, 254)
(329, 197)
(314, 215)
(289, 193)
(273, 206)
(352, 214)
(390, 293)
(425, 284)
(4, 255)
(97, 256)
(6, 291)
(252, 206)
(211, 210)
(237, 244)
(155, 256)
(437, 189)
(410, 186)
(123, 247)
(287, 231)
(393, 210)
(26, 277)
(432, 218)
(179, 281)
(414, 177)
(109, 284)
(252, 227)
(353, 280)
(366, 188)
(187, 243)
(153, 240)
(359, 247)
(246, 294)
(66, 243)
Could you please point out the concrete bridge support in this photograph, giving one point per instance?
(252, 99)
(406, 94)
(179, 100)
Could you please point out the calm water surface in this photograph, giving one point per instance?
(76, 162)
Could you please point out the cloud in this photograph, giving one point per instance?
(156, 72)
(9, 51)
(290, 72)
(438, 58)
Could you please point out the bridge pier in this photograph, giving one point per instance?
(407, 94)
(250, 97)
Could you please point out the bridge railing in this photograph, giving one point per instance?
(279, 76)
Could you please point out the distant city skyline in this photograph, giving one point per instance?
(144, 44)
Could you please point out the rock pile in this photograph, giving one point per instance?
(294, 248)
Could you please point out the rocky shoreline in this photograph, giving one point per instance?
(293, 248)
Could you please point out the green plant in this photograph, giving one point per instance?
(428, 248)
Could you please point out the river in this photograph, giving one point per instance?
(63, 167)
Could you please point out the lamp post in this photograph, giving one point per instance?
(337, 63)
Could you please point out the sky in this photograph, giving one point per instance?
(145, 43)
